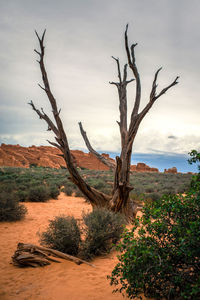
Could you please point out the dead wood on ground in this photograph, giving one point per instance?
(35, 256)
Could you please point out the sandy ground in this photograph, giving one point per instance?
(57, 281)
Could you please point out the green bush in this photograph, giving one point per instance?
(102, 229)
(54, 191)
(38, 194)
(10, 209)
(22, 195)
(63, 234)
(160, 256)
(68, 190)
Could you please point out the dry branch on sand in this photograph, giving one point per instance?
(35, 256)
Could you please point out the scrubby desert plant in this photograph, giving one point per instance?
(38, 194)
(54, 191)
(10, 209)
(102, 229)
(63, 234)
(160, 256)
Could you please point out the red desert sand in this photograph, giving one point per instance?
(58, 281)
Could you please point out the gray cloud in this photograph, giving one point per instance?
(81, 37)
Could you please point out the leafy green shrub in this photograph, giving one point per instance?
(160, 256)
(63, 234)
(10, 209)
(195, 157)
(102, 229)
(38, 194)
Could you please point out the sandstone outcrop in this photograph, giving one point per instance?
(171, 170)
(47, 156)
(141, 167)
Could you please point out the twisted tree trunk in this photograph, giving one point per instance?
(119, 200)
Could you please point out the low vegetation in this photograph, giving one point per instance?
(40, 184)
(100, 230)
(160, 255)
(10, 208)
(63, 234)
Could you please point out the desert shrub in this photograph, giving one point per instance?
(10, 209)
(68, 190)
(136, 197)
(63, 234)
(154, 196)
(22, 195)
(78, 193)
(38, 194)
(54, 191)
(160, 256)
(102, 229)
(149, 189)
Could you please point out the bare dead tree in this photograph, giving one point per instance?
(119, 200)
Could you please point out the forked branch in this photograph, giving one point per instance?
(137, 117)
(154, 96)
(133, 67)
(95, 197)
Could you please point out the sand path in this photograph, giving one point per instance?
(64, 281)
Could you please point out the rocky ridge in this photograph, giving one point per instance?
(47, 156)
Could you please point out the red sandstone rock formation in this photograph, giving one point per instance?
(141, 167)
(171, 170)
(47, 156)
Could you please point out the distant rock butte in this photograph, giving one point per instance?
(47, 156)
(171, 170)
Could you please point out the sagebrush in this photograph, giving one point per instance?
(96, 235)
(10, 208)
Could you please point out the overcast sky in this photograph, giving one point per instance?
(80, 40)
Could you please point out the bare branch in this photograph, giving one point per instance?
(125, 73)
(44, 116)
(118, 67)
(115, 83)
(133, 67)
(167, 88)
(42, 87)
(37, 52)
(55, 145)
(153, 96)
(127, 46)
(95, 197)
(154, 85)
(91, 149)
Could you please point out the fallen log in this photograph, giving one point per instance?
(33, 255)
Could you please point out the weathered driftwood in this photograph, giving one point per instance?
(34, 256)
